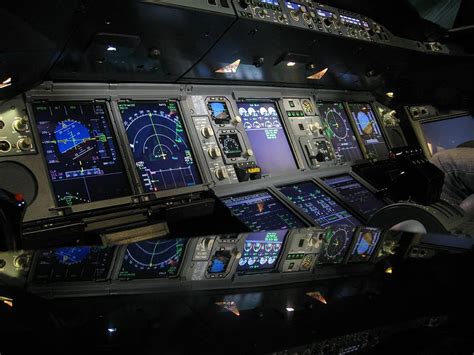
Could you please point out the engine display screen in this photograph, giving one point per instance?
(448, 133)
(261, 251)
(230, 145)
(337, 128)
(219, 112)
(152, 259)
(367, 239)
(267, 137)
(81, 152)
(159, 145)
(317, 204)
(355, 193)
(260, 211)
(73, 264)
(369, 130)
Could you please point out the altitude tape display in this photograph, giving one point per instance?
(80, 150)
(159, 145)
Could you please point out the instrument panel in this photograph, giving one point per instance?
(158, 143)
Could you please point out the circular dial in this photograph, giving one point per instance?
(336, 123)
(307, 107)
(153, 258)
(231, 145)
(335, 247)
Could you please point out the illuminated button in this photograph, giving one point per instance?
(214, 152)
(221, 173)
(207, 132)
(236, 120)
(24, 143)
(20, 124)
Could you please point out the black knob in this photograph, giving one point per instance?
(244, 3)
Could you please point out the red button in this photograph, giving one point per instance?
(19, 197)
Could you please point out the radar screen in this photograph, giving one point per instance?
(219, 262)
(73, 264)
(261, 251)
(80, 151)
(335, 244)
(355, 193)
(152, 259)
(318, 205)
(448, 133)
(159, 145)
(367, 239)
(337, 128)
(369, 130)
(267, 137)
(219, 111)
(231, 145)
(261, 211)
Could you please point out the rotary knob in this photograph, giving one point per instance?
(24, 144)
(244, 3)
(236, 120)
(221, 173)
(207, 132)
(214, 152)
(20, 124)
(248, 153)
(314, 128)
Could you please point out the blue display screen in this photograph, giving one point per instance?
(219, 262)
(154, 258)
(292, 5)
(356, 194)
(369, 130)
(73, 264)
(367, 239)
(318, 205)
(338, 130)
(261, 251)
(159, 145)
(260, 211)
(219, 111)
(448, 133)
(80, 151)
(271, 2)
(267, 137)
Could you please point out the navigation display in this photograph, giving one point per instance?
(367, 239)
(81, 152)
(219, 262)
(337, 128)
(369, 130)
(448, 133)
(73, 264)
(335, 244)
(159, 145)
(267, 137)
(317, 204)
(261, 251)
(151, 259)
(261, 211)
(355, 193)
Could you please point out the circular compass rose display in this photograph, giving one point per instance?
(155, 258)
(335, 246)
(336, 123)
(159, 145)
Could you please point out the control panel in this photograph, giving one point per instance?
(391, 126)
(264, 10)
(302, 250)
(223, 140)
(308, 131)
(16, 137)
